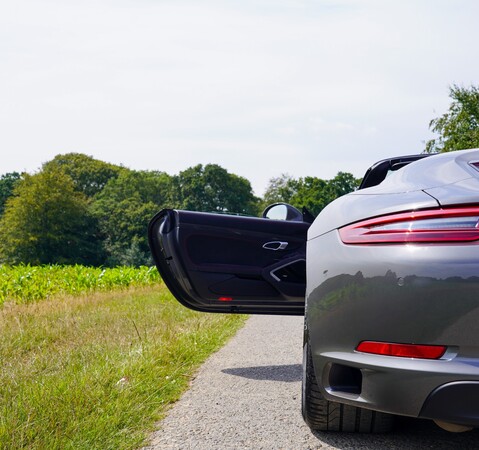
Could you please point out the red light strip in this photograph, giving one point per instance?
(402, 350)
(364, 233)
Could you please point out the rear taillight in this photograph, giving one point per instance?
(430, 226)
(402, 350)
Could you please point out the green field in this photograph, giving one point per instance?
(25, 283)
(97, 371)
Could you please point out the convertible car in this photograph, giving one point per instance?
(387, 278)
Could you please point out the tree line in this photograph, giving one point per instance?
(80, 210)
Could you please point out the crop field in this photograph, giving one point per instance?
(96, 370)
(25, 283)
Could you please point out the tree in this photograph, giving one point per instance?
(458, 129)
(343, 183)
(7, 186)
(47, 221)
(312, 192)
(124, 208)
(211, 188)
(89, 175)
(280, 189)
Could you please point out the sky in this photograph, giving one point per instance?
(263, 87)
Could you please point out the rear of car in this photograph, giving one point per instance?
(392, 300)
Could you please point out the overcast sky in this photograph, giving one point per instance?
(260, 87)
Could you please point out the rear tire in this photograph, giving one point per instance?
(323, 415)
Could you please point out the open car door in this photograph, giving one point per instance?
(231, 264)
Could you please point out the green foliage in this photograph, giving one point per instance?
(7, 186)
(343, 183)
(312, 192)
(280, 189)
(211, 188)
(98, 372)
(89, 175)
(79, 210)
(47, 221)
(123, 209)
(25, 283)
(134, 255)
(458, 129)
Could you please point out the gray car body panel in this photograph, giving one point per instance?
(404, 294)
(423, 294)
(444, 179)
(352, 208)
(460, 193)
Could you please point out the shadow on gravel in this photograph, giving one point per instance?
(288, 373)
(407, 434)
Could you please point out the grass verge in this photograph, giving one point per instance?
(97, 372)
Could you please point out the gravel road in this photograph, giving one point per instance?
(247, 396)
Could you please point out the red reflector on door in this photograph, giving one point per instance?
(402, 350)
(225, 299)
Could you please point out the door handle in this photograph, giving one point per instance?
(275, 245)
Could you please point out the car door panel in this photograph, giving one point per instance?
(219, 263)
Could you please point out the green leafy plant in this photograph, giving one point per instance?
(25, 283)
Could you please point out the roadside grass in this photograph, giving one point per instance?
(97, 371)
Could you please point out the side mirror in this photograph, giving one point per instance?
(283, 211)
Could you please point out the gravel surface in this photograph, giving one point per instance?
(248, 395)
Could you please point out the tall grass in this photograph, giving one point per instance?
(25, 283)
(97, 371)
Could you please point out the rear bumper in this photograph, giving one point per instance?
(403, 386)
(456, 402)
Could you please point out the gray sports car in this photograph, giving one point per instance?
(387, 278)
